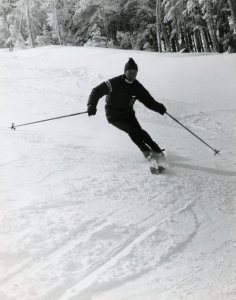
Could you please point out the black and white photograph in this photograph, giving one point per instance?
(117, 150)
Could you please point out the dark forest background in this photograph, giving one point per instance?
(151, 25)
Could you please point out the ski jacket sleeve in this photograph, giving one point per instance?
(144, 97)
(97, 93)
(103, 89)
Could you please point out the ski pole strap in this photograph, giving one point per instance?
(14, 126)
(216, 151)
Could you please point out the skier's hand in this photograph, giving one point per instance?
(92, 110)
(162, 109)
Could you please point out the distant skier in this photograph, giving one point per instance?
(122, 92)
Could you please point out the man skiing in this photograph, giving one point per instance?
(122, 92)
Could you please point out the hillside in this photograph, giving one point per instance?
(81, 215)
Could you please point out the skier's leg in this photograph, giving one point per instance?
(125, 126)
(144, 135)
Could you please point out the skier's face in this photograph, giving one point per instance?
(131, 74)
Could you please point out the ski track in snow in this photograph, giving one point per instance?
(81, 221)
(116, 260)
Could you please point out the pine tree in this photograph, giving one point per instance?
(29, 24)
(232, 4)
(6, 9)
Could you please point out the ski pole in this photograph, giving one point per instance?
(14, 126)
(216, 151)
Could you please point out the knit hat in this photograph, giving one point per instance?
(131, 65)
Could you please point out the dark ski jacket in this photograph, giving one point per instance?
(121, 97)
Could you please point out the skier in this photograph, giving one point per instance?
(122, 92)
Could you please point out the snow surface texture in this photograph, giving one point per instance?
(81, 215)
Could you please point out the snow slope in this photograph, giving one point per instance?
(81, 216)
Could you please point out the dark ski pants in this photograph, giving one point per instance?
(130, 125)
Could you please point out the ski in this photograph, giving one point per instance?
(158, 170)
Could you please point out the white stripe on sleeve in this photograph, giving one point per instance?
(109, 86)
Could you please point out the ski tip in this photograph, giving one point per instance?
(158, 170)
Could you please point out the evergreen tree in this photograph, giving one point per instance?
(6, 13)
(153, 25)
(232, 4)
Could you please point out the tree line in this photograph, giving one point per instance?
(150, 25)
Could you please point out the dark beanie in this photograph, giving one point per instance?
(131, 65)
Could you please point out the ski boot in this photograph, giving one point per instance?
(157, 151)
(147, 153)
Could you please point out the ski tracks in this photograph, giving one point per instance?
(117, 259)
(106, 222)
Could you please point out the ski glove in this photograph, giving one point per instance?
(92, 110)
(162, 109)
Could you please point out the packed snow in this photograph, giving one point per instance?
(81, 215)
